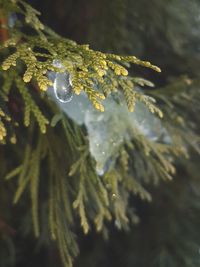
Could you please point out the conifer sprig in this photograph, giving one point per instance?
(87, 68)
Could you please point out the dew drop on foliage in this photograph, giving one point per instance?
(63, 87)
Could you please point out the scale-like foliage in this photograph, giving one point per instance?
(55, 163)
(86, 66)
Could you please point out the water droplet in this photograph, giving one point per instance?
(63, 87)
(118, 224)
(114, 195)
(99, 171)
(57, 63)
(12, 18)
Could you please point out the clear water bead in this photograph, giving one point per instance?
(12, 18)
(100, 171)
(63, 87)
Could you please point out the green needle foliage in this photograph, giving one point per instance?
(52, 159)
(86, 66)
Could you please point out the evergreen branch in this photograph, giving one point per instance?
(30, 106)
(86, 67)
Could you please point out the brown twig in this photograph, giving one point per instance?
(4, 34)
